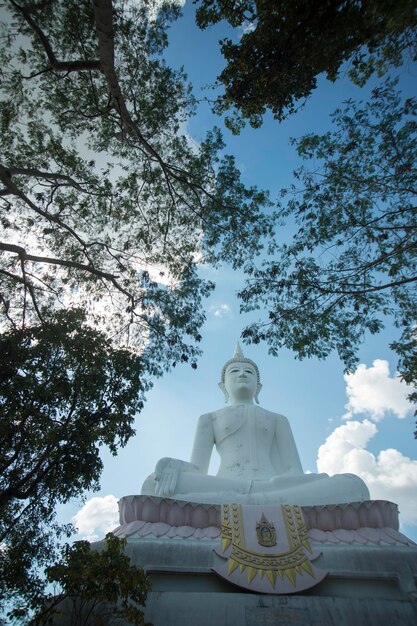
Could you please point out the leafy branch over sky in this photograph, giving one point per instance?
(106, 203)
(65, 392)
(351, 264)
(350, 267)
(286, 44)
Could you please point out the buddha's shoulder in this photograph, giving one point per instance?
(272, 414)
(218, 414)
(225, 411)
(213, 415)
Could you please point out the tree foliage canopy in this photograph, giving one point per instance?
(105, 201)
(352, 261)
(286, 45)
(64, 393)
(96, 587)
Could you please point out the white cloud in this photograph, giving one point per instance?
(220, 310)
(390, 475)
(373, 392)
(248, 27)
(98, 516)
(342, 444)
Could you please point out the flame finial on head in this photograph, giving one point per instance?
(239, 357)
(238, 354)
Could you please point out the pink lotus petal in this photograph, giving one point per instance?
(145, 530)
(200, 517)
(350, 519)
(212, 532)
(150, 509)
(125, 530)
(133, 527)
(357, 538)
(175, 516)
(345, 536)
(325, 519)
(371, 534)
(315, 534)
(119, 531)
(185, 531)
(386, 538)
(160, 528)
(399, 537)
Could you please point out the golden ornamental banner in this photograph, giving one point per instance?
(266, 549)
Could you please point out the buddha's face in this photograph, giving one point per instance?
(241, 381)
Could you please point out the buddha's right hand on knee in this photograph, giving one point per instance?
(167, 472)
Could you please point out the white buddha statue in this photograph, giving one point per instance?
(259, 459)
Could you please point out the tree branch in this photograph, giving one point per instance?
(105, 34)
(103, 12)
(32, 171)
(14, 189)
(358, 292)
(59, 66)
(27, 284)
(25, 256)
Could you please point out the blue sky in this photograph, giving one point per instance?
(374, 437)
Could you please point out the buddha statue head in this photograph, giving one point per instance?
(240, 377)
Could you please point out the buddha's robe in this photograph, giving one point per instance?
(259, 465)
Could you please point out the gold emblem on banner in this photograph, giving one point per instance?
(292, 564)
(265, 532)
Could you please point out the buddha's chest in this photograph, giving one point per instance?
(245, 425)
(243, 439)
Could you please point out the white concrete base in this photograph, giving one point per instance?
(372, 579)
(171, 608)
(369, 585)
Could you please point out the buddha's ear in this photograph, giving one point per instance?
(223, 388)
(258, 391)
